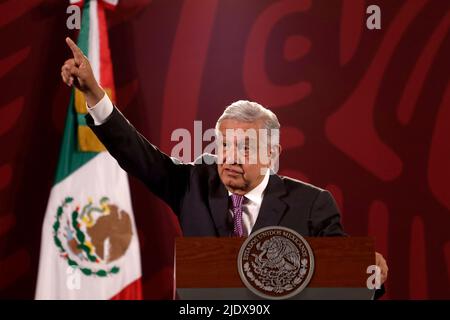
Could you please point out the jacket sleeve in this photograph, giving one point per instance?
(325, 218)
(325, 221)
(164, 176)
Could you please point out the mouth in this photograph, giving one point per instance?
(233, 171)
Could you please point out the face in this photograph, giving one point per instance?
(242, 155)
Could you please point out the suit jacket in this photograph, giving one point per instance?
(197, 196)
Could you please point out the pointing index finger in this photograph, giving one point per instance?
(77, 53)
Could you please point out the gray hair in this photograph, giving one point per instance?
(249, 111)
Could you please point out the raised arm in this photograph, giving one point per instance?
(164, 176)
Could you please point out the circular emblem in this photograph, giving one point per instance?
(275, 263)
(92, 237)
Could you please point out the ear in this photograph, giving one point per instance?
(275, 151)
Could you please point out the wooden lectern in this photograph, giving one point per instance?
(206, 268)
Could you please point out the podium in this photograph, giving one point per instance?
(206, 268)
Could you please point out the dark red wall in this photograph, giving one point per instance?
(365, 114)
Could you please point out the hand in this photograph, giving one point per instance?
(381, 263)
(78, 72)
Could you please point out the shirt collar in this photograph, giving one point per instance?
(256, 194)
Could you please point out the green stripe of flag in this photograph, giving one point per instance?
(70, 158)
(83, 38)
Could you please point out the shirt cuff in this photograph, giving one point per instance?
(101, 111)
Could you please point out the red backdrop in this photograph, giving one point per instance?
(364, 113)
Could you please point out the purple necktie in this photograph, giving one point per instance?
(237, 201)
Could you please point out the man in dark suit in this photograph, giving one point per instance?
(232, 193)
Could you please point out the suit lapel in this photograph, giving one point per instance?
(273, 207)
(218, 203)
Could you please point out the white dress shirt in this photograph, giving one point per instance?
(252, 204)
(101, 111)
(252, 200)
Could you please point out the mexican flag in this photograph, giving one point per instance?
(89, 247)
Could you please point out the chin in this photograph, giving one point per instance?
(236, 184)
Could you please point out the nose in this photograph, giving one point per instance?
(231, 155)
